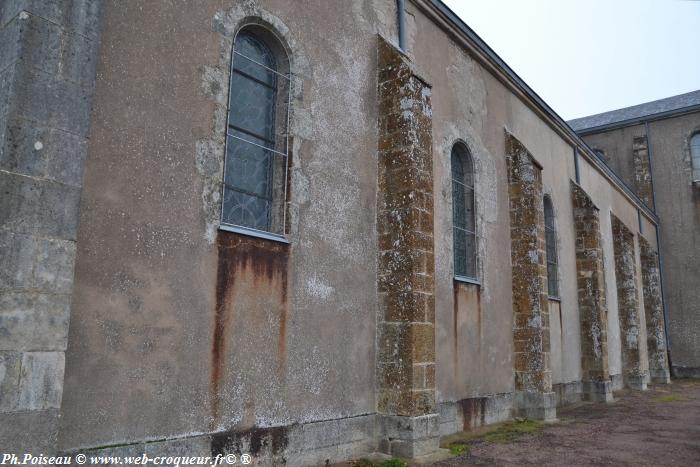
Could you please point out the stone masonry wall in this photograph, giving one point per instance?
(533, 377)
(642, 170)
(406, 353)
(627, 303)
(593, 311)
(47, 76)
(654, 313)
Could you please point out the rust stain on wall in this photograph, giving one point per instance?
(466, 297)
(245, 258)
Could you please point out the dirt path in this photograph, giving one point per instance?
(660, 426)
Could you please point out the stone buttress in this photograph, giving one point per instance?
(633, 374)
(534, 397)
(654, 313)
(593, 311)
(406, 333)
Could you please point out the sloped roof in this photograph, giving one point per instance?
(629, 115)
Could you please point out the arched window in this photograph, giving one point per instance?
(695, 156)
(255, 174)
(463, 213)
(550, 239)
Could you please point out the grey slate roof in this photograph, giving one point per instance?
(668, 105)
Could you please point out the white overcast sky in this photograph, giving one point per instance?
(589, 56)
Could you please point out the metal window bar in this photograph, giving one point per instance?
(285, 154)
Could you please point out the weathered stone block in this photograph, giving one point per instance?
(536, 405)
(30, 321)
(42, 152)
(9, 43)
(50, 101)
(10, 364)
(17, 256)
(32, 432)
(43, 208)
(41, 380)
(598, 391)
(82, 16)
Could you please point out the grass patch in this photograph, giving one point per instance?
(670, 398)
(387, 463)
(512, 430)
(457, 449)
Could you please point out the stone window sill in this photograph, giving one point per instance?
(467, 280)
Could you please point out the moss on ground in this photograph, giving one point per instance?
(509, 431)
(457, 449)
(387, 463)
(670, 398)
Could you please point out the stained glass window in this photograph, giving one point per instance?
(463, 213)
(550, 239)
(255, 167)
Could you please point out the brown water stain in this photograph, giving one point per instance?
(464, 296)
(242, 257)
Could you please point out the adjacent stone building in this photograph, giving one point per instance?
(655, 148)
(300, 232)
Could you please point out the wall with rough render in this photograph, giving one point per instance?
(178, 329)
(474, 324)
(677, 202)
(174, 331)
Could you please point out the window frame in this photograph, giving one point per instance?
(694, 169)
(466, 158)
(279, 51)
(550, 233)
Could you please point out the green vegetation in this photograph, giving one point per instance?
(457, 449)
(393, 463)
(387, 463)
(509, 431)
(670, 398)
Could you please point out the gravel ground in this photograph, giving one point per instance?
(660, 426)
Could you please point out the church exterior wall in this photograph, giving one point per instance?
(186, 337)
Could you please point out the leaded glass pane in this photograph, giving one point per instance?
(252, 107)
(463, 213)
(550, 240)
(248, 168)
(255, 149)
(246, 210)
(460, 252)
(249, 55)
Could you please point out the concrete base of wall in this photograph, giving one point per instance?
(471, 413)
(536, 405)
(686, 372)
(409, 437)
(638, 382)
(616, 381)
(293, 445)
(32, 431)
(660, 376)
(567, 393)
(598, 391)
